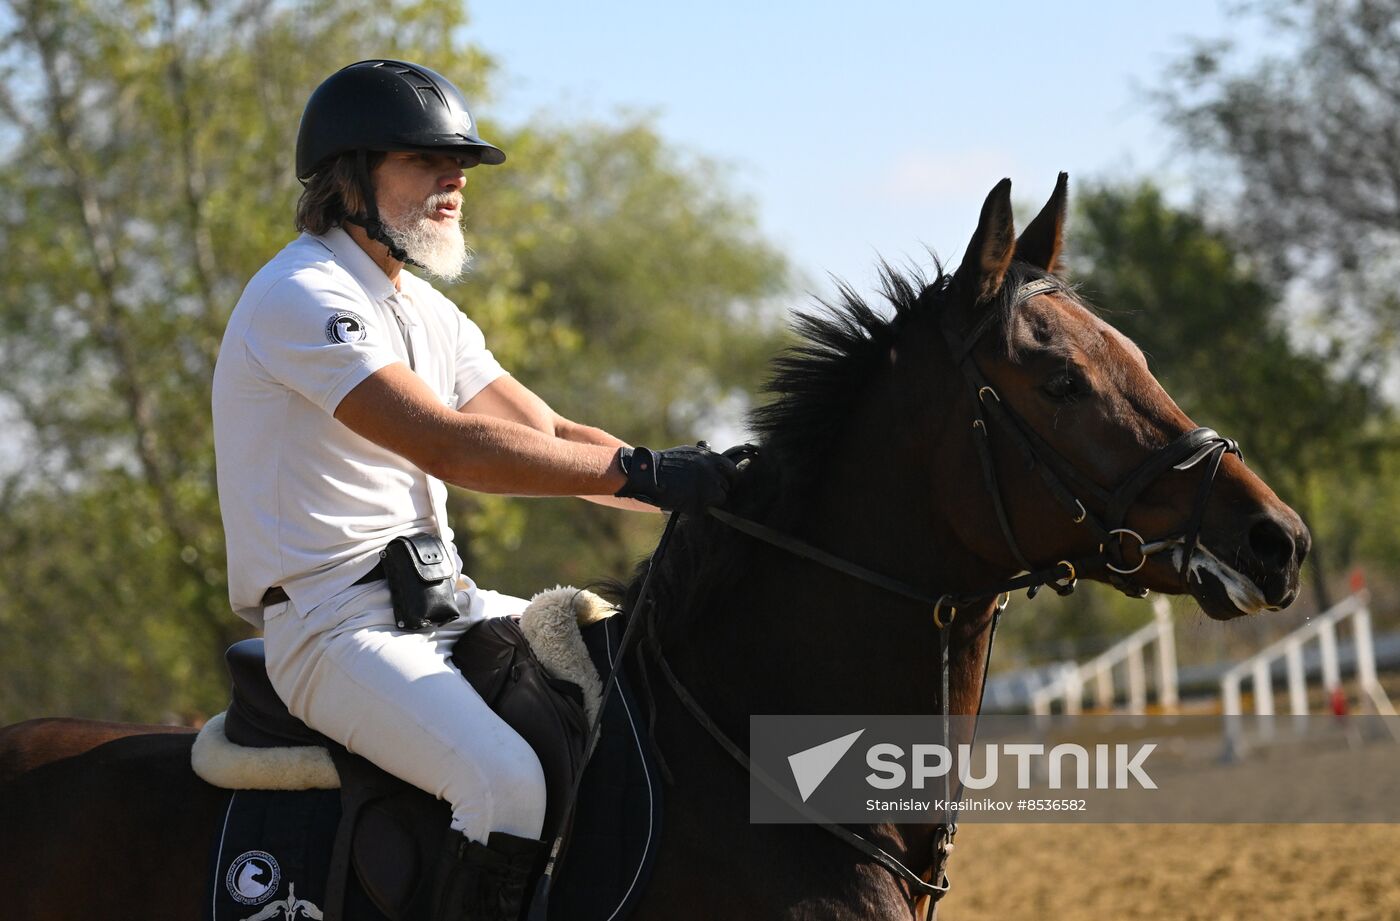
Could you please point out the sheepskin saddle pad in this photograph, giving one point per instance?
(272, 750)
(375, 864)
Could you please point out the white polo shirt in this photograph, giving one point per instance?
(308, 504)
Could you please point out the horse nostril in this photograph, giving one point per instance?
(1304, 543)
(1272, 544)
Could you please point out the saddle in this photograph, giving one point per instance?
(390, 833)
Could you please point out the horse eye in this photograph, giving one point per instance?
(1063, 386)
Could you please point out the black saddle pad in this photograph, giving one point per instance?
(617, 823)
(272, 856)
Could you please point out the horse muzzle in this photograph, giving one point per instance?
(1263, 574)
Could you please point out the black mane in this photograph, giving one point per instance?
(816, 384)
(816, 381)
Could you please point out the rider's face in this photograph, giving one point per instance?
(404, 181)
(420, 204)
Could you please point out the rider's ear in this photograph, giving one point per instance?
(989, 254)
(1042, 244)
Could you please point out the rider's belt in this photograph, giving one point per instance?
(276, 595)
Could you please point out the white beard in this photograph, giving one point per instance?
(438, 247)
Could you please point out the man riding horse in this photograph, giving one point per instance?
(347, 391)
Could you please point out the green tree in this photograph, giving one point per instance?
(627, 286)
(1307, 138)
(1213, 330)
(147, 175)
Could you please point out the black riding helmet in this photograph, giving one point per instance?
(384, 105)
(387, 105)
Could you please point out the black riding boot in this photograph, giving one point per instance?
(484, 882)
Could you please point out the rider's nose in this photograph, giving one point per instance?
(1273, 544)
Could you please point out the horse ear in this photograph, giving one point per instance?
(1043, 242)
(993, 244)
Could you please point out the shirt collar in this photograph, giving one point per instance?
(358, 263)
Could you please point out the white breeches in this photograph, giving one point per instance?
(395, 698)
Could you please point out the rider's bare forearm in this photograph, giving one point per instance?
(587, 434)
(495, 455)
(504, 440)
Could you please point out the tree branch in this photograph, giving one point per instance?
(111, 325)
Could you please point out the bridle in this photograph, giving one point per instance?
(1063, 481)
(1066, 484)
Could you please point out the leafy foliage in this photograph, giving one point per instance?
(147, 175)
(1308, 137)
(629, 289)
(1212, 328)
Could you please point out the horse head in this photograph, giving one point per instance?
(993, 424)
(1126, 487)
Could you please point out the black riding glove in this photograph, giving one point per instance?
(688, 479)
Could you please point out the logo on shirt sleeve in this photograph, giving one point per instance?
(346, 327)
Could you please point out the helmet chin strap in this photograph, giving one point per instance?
(374, 228)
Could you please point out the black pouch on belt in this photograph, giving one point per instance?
(420, 574)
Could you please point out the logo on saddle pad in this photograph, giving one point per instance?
(253, 877)
(289, 909)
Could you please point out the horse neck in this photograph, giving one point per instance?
(796, 637)
(793, 637)
(884, 513)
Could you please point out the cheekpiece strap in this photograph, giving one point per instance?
(369, 218)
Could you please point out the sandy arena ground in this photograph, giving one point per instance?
(1175, 873)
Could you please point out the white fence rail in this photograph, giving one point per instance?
(1258, 668)
(1127, 657)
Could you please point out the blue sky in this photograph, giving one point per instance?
(864, 128)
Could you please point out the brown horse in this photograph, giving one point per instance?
(870, 452)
